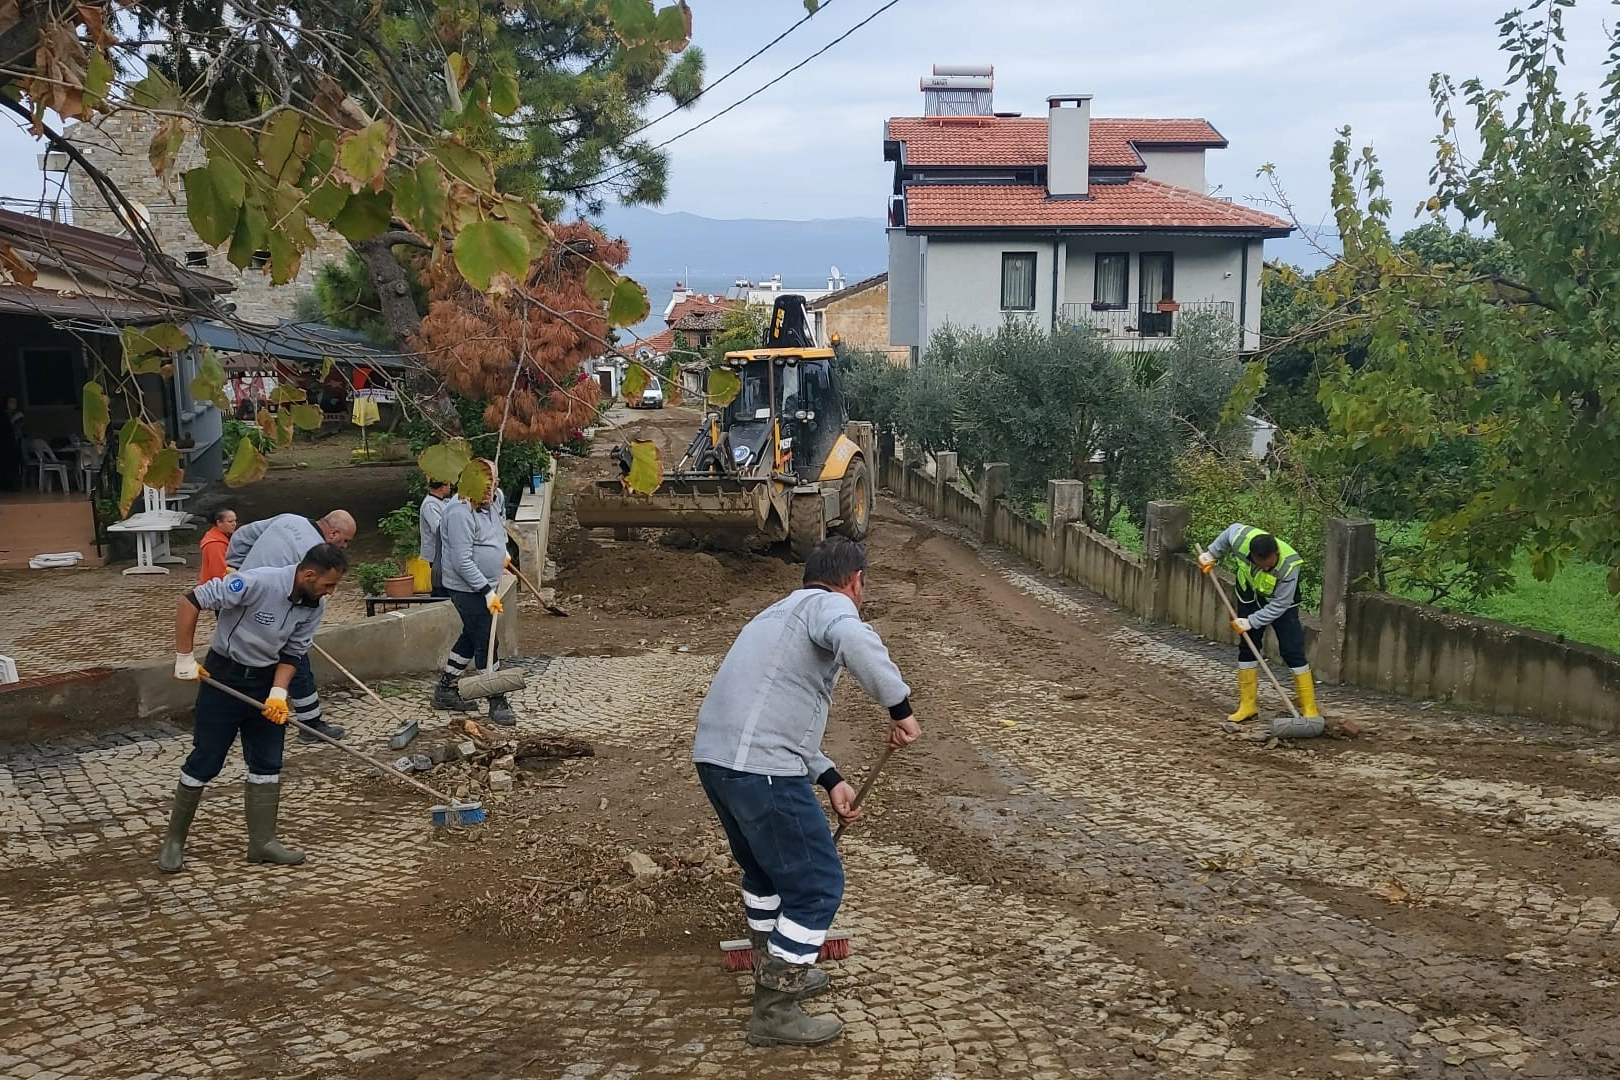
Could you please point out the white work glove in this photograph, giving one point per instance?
(493, 602)
(1206, 562)
(1242, 626)
(185, 667)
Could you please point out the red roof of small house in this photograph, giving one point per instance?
(1139, 204)
(660, 343)
(699, 313)
(1003, 140)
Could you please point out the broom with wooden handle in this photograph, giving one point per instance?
(468, 813)
(738, 954)
(492, 681)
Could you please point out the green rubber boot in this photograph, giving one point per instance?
(777, 1019)
(816, 981)
(173, 855)
(262, 804)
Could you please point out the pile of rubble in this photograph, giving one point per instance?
(476, 761)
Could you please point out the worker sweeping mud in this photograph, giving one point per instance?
(758, 753)
(282, 541)
(1268, 595)
(471, 557)
(266, 622)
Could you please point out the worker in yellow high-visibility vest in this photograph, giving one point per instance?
(1267, 595)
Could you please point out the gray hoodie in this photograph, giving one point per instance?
(766, 710)
(472, 547)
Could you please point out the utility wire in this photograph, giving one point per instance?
(622, 168)
(761, 51)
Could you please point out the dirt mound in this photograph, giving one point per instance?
(659, 582)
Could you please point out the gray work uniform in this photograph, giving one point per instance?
(283, 540)
(260, 627)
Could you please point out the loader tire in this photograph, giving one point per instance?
(855, 501)
(805, 531)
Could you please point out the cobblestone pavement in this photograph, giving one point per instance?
(63, 620)
(1074, 874)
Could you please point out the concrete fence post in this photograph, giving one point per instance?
(1164, 536)
(1065, 503)
(944, 473)
(994, 486)
(1349, 561)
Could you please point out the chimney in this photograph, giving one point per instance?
(1068, 146)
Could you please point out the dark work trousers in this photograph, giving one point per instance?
(1290, 636)
(438, 584)
(220, 718)
(306, 703)
(471, 649)
(792, 878)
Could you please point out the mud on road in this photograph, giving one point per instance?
(1074, 873)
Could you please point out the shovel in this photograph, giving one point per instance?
(407, 731)
(492, 681)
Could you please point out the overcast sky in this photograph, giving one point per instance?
(1276, 78)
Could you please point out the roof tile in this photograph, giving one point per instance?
(1001, 140)
(1141, 203)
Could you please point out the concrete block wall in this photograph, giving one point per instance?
(1362, 638)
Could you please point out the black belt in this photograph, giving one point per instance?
(219, 664)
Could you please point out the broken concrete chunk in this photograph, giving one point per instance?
(641, 865)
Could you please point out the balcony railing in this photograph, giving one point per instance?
(1145, 325)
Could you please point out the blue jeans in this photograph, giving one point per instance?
(792, 880)
(220, 718)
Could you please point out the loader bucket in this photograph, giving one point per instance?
(719, 504)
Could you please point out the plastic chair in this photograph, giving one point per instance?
(43, 458)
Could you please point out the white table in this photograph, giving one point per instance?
(151, 529)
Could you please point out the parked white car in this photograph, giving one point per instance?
(651, 398)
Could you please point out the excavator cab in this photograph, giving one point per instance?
(780, 459)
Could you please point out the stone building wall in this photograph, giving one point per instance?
(118, 146)
(861, 321)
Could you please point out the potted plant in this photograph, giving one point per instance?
(384, 579)
(403, 531)
(1167, 305)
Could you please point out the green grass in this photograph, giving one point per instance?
(1576, 604)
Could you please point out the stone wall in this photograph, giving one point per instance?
(861, 321)
(1363, 637)
(118, 146)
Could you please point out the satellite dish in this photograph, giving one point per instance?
(835, 272)
(141, 212)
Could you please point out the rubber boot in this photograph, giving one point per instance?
(816, 981)
(777, 1018)
(446, 696)
(262, 804)
(331, 731)
(1248, 696)
(173, 855)
(500, 711)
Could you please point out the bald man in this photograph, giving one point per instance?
(284, 540)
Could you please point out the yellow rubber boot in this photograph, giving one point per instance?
(1305, 687)
(1248, 696)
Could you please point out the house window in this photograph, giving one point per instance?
(1113, 280)
(50, 378)
(261, 259)
(1158, 283)
(197, 260)
(1018, 281)
(1158, 278)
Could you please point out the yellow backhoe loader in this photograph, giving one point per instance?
(776, 462)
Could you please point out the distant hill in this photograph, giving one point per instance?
(710, 253)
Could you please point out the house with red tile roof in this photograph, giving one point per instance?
(1071, 220)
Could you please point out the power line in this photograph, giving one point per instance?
(624, 167)
(761, 51)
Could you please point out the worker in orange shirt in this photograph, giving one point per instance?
(214, 544)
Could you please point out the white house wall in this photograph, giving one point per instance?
(906, 288)
(963, 282)
(1183, 168)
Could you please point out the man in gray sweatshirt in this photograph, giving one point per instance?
(758, 754)
(471, 559)
(284, 540)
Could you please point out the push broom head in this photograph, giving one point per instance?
(488, 684)
(739, 955)
(458, 813)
